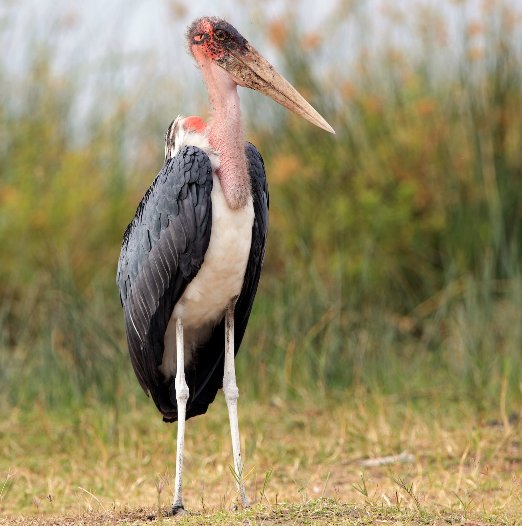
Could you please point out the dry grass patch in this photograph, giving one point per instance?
(320, 512)
(455, 466)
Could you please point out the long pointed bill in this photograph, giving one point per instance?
(253, 71)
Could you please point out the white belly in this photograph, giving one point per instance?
(220, 278)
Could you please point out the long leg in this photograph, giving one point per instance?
(182, 394)
(231, 395)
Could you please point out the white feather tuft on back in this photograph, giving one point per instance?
(178, 136)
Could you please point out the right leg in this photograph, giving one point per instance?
(231, 395)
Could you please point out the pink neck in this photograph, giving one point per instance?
(226, 135)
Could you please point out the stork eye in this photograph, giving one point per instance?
(220, 34)
(199, 38)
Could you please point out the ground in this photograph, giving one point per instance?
(350, 459)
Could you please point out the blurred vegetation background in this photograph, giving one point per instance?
(394, 257)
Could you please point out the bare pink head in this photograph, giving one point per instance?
(214, 41)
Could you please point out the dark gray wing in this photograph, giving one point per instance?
(205, 377)
(162, 250)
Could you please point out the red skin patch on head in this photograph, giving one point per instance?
(194, 123)
(211, 48)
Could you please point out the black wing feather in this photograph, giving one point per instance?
(162, 250)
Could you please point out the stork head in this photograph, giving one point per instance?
(214, 40)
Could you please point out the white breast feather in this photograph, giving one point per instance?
(221, 276)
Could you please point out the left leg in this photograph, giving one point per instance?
(182, 394)
(231, 395)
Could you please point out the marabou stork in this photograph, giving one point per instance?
(191, 258)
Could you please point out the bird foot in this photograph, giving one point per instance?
(244, 504)
(176, 511)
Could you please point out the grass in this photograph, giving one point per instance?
(305, 461)
(321, 512)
